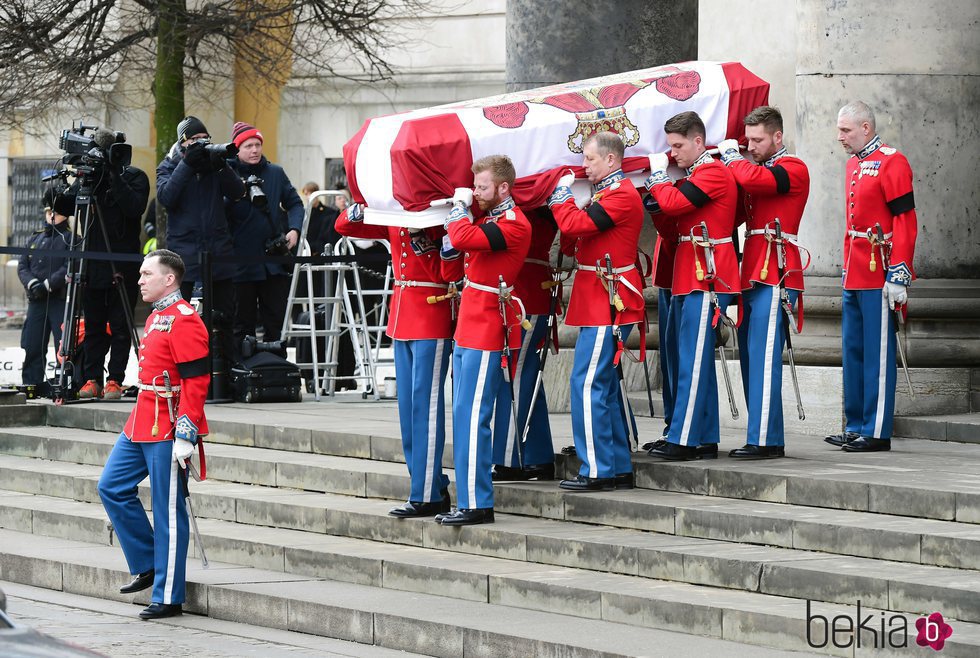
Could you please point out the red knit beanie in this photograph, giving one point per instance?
(243, 132)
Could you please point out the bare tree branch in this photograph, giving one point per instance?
(50, 49)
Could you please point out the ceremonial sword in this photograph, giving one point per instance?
(505, 360)
(709, 258)
(552, 312)
(787, 311)
(616, 305)
(899, 318)
(187, 490)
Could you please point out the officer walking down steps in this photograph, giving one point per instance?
(158, 439)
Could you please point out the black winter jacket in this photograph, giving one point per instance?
(251, 227)
(196, 219)
(49, 268)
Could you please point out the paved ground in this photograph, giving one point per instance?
(112, 628)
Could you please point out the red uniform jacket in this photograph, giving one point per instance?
(537, 267)
(492, 246)
(778, 188)
(709, 195)
(611, 224)
(176, 340)
(878, 190)
(411, 317)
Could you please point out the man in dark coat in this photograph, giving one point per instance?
(192, 185)
(272, 210)
(120, 199)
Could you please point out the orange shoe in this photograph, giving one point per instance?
(90, 390)
(112, 390)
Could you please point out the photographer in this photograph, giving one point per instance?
(43, 277)
(115, 220)
(267, 221)
(192, 183)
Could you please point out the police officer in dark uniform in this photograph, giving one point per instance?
(43, 277)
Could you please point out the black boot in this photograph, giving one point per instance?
(749, 451)
(706, 451)
(139, 583)
(161, 610)
(675, 452)
(582, 483)
(839, 440)
(467, 517)
(867, 444)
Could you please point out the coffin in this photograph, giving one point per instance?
(404, 166)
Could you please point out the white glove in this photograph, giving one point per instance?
(658, 170)
(355, 213)
(728, 150)
(182, 451)
(464, 196)
(658, 162)
(566, 180)
(563, 190)
(895, 293)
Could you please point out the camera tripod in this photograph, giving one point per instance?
(87, 215)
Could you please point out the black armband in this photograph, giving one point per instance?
(902, 204)
(782, 178)
(194, 368)
(600, 217)
(694, 194)
(494, 236)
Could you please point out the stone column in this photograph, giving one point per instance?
(917, 64)
(551, 42)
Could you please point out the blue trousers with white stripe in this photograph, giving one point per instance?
(599, 420)
(695, 417)
(420, 374)
(870, 371)
(761, 337)
(668, 351)
(477, 379)
(506, 441)
(163, 547)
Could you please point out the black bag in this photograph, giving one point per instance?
(266, 377)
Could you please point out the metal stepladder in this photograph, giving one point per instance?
(338, 311)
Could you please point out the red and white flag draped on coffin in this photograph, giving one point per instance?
(397, 165)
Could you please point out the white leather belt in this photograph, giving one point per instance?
(421, 284)
(157, 389)
(491, 289)
(866, 236)
(615, 270)
(791, 237)
(712, 241)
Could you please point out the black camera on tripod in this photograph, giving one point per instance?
(95, 149)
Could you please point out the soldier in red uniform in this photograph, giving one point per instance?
(494, 248)
(705, 280)
(158, 439)
(776, 189)
(421, 335)
(609, 226)
(538, 452)
(879, 243)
